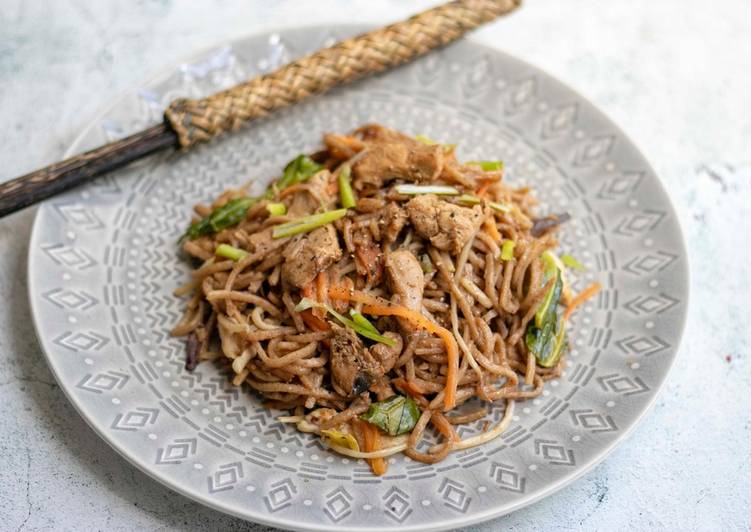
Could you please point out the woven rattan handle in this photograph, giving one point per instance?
(196, 121)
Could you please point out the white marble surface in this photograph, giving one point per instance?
(675, 74)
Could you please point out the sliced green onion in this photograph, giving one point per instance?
(425, 263)
(500, 207)
(230, 252)
(307, 223)
(345, 188)
(430, 142)
(571, 262)
(276, 209)
(507, 250)
(426, 140)
(305, 304)
(368, 331)
(440, 190)
(229, 214)
(469, 199)
(552, 263)
(362, 321)
(488, 166)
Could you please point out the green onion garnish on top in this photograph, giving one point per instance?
(276, 209)
(362, 321)
(307, 223)
(507, 250)
(469, 199)
(298, 170)
(346, 193)
(229, 214)
(439, 190)
(571, 262)
(430, 142)
(426, 140)
(230, 252)
(500, 207)
(358, 323)
(488, 166)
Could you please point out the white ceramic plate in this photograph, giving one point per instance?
(103, 261)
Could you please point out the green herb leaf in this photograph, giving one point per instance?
(547, 344)
(549, 305)
(298, 170)
(306, 224)
(439, 190)
(488, 166)
(230, 252)
(571, 262)
(395, 415)
(276, 209)
(546, 334)
(229, 214)
(346, 193)
(507, 250)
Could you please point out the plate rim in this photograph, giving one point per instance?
(279, 521)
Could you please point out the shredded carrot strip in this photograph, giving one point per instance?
(313, 321)
(411, 388)
(379, 307)
(444, 427)
(580, 298)
(372, 442)
(483, 188)
(492, 230)
(322, 287)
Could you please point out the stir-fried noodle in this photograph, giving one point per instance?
(378, 288)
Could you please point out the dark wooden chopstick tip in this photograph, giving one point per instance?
(56, 178)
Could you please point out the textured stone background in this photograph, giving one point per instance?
(675, 74)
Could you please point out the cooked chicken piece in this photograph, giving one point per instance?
(466, 175)
(406, 281)
(386, 355)
(313, 195)
(405, 278)
(394, 218)
(447, 226)
(313, 253)
(386, 161)
(260, 241)
(354, 368)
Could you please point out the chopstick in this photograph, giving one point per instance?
(190, 122)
